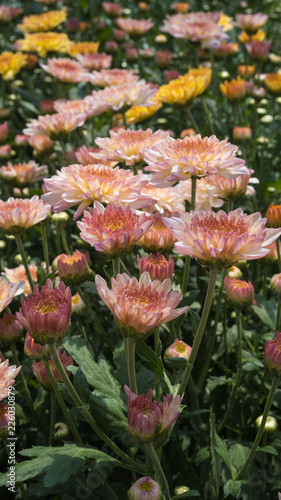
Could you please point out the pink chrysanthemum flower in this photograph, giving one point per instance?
(251, 22)
(134, 27)
(55, 126)
(78, 184)
(74, 106)
(17, 215)
(231, 189)
(128, 145)
(73, 269)
(275, 284)
(158, 238)
(113, 230)
(33, 350)
(146, 418)
(65, 69)
(41, 143)
(40, 373)
(140, 306)
(169, 199)
(85, 157)
(239, 294)
(7, 377)
(180, 159)
(107, 77)
(258, 50)
(18, 274)
(112, 9)
(22, 174)
(5, 152)
(95, 62)
(272, 355)
(220, 239)
(8, 291)
(10, 329)
(178, 349)
(157, 266)
(145, 488)
(46, 314)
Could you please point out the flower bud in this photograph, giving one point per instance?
(275, 284)
(145, 489)
(62, 431)
(10, 329)
(157, 266)
(239, 294)
(33, 350)
(272, 355)
(270, 424)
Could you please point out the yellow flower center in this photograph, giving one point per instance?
(146, 486)
(180, 347)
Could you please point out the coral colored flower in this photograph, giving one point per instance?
(163, 58)
(258, 50)
(128, 145)
(10, 329)
(220, 239)
(43, 22)
(112, 9)
(7, 378)
(273, 215)
(234, 91)
(5, 152)
(41, 143)
(95, 62)
(33, 350)
(10, 64)
(272, 355)
(146, 418)
(42, 43)
(180, 7)
(17, 215)
(246, 71)
(157, 266)
(7, 14)
(178, 349)
(134, 27)
(241, 134)
(145, 488)
(83, 48)
(107, 77)
(8, 291)
(40, 373)
(273, 83)
(231, 189)
(113, 230)
(239, 294)
(78, 184)
(46, 314)
(180, 159)
(22, 174)
(73, 269)
(55, 126)
(65, 70)
(140, 306)
(4, 420)
(251, 22)
(158, 238)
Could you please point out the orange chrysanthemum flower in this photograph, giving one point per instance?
(55, 126)
(42, 43)
(64, 69)
(11, 63)
(19, 274)
(273, 83)
(83, 48)
(273, 215)
(234, 91)
(17, 215)
(246, 71)
(8, 291)
(43, 22)
(22, 174)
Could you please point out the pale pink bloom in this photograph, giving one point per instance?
(220, 239)
(7, 378)
(40, 373)
(73, 269)
(10, 329)
(128, 145)
(272, 355)
(75, 106)
(22, 174)
(107, 77)
(55, 126)
(95, 61)
(169, 199)
(140, 306)
(134, 27)
(40, 143)
(113, 230)
(82, 185)
(258, 50)
(178, 349)
(8, 291)
(231, 189)
(239, 294)
(158, 238)
(204, 200)
(5, 152)
(17, 215)
(180, 159)
(85, 157)
(251, 22)
(112, 9)
(33, 350)
(157, 266)
(65, 69)
(19, 274)
(145, 488)
(46, 314)
(147, 419)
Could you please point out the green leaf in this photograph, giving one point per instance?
(107, 410)
(81, 385)
(268, 449)
(187, 494)
(214, 482)
(148, 357)
(233, 488)
(195, 320)
(62, 467)
(177, 363)
(222, 451)
(266, 311)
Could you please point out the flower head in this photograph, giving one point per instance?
(17, 215)
(178, 349)
(145, 488)
(140, 306)
(95, 62)
(46, 313)
(157, 266)
(134, 27)
(55, 126)
(158, 238)
(83, 48)
(238, 293)
(73, 269)
(275, 284)
(43, 22)
(113, 230)
(234, 272)
(230, 189)
(11, 63)
(42, 43)
(40, 373)
(220, 239)
(19, 274)
(33, 350)
(251, 22)
(273, 215)
(7, 377)
(107, 77)
(272, 355)
(273, 83)
(8, 291)
(258, 50)
(137, 114)
(65, 69)
(234, 91)
(41, 143)
(10, 329)
(242, 134)
(146, 418)
(22, 174)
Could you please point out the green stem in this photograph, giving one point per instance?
(238, 374)
(278, 314)
(155, 460)
(53, 418)
(84, 334)
(278, 254)
(88, 417)
(193, 192)
(229, 206)
(116, 266)
(27, 392)
(200, 331)
(62, 404)
(261, 428)
(131, 363)
(135, 169)
(24, 260)
(208, 115)
(64, 240)
(185, 274)
(45, 245)
(157, 376)
(192, 119)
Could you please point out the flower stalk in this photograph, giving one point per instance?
(156, 462)
(24, 260)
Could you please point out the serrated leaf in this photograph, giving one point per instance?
(233, 488)
(266, 311)
(268, 449)
(89, 287)
(62, 467)
(107, 410)
(222, 450)
(148, 357)
(81, 385)
(195, 320)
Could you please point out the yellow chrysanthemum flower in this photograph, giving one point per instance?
(137, 114)
(226, 22)
(11, 63)
(83, 48)
(43, 22)
(42, 43)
